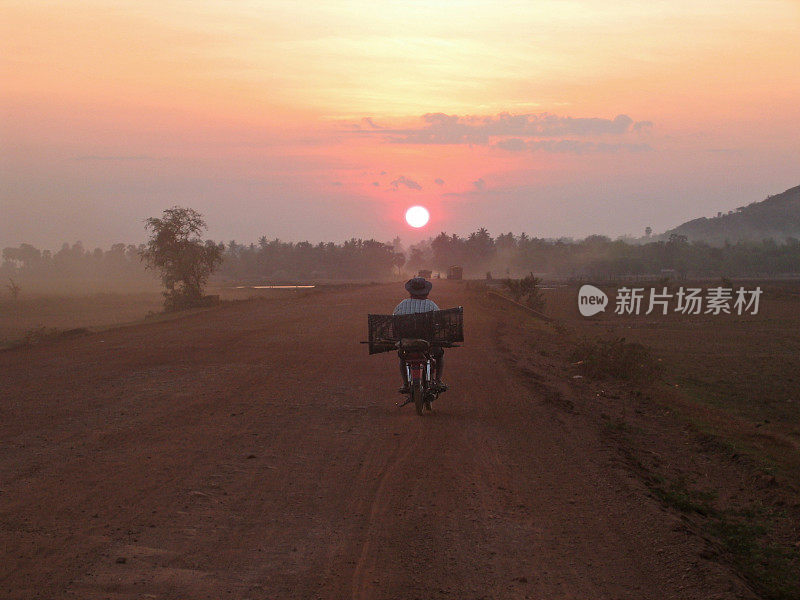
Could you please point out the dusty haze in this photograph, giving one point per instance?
(323, 122)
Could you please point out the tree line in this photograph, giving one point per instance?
(595, 257)
(277, 260)
(121, 261)
(599, 257)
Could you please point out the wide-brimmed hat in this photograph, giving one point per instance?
(418, 286)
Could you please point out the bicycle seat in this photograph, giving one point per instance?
(414, 344)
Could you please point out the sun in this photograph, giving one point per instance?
(417, 216)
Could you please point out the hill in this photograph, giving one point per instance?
(777, 217)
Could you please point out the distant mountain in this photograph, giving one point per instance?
(777, 217)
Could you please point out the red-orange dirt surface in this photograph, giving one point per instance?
(255, 451)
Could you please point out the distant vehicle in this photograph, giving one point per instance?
(455, 272)
(425, 273)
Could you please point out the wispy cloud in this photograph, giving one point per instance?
(512, 144)
(725, 150)
(570, 146)
(115, 157)
(403, 180)
(441, 128)
(515, 133)
(370, 123)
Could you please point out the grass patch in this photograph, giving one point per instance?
(38, 335)
(41, 334)
(763, 455)
(773, 569)
(599, 358)
(743, 536)
(678, 495)
(620, 427)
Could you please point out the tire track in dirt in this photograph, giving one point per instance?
(255, 450)
(376, 512)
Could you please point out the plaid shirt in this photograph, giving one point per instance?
(409, 306)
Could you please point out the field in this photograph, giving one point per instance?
(739, 373)
(731, 384)
(47, 313)
(37, 314)
(253, 450)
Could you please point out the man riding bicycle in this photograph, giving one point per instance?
(419, 288)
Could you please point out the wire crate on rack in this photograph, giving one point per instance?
(435, 326)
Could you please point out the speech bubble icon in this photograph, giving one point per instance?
(591, 300)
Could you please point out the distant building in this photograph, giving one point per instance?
(455, 273)
(426, 273)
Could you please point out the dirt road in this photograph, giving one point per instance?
(255, 451)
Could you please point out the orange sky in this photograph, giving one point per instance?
(305, 120)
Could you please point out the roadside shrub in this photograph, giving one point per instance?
(526, 290)
(599, 358)
(175, 301)
(41, 334)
